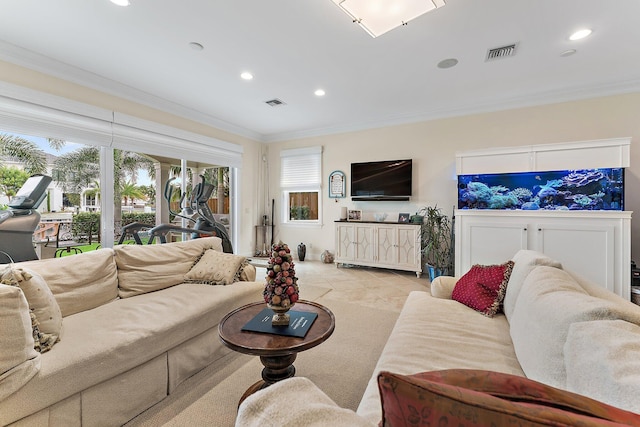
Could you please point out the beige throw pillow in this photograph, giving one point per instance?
(45, 312)
(216, 268)
(19, 362)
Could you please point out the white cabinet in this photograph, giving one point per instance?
(593, 244)
(384, 245)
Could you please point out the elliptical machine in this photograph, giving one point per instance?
(20, 221)
(205, 225)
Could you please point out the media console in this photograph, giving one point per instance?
(379, 244)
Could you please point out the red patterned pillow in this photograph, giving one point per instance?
(466, 397)
(483, 287)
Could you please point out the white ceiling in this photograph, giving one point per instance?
(294, 47)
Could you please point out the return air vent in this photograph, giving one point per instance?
(275, 102)
(501, 52)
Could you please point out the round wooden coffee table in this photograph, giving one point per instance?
(277, 352)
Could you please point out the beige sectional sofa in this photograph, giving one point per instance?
(133, 329)
(557, 329)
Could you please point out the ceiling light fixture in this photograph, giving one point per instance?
(121, 2)
(319, 92)
(580, 34)
(196, 46)
(246, 76)
(378, 17)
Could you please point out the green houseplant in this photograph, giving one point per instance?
(436, 241)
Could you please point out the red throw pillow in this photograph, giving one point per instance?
(467, 397)
(483, 287)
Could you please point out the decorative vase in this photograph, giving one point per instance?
(302, 251)
(281, 318)
(435, 272)
(326, 257)
(281, 289)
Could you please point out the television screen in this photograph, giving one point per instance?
(383, 180)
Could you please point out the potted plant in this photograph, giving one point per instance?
(436, 241)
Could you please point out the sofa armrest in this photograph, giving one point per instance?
(442, 286)
(295, 402)
(248, 273)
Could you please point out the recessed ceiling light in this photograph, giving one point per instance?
(448, 63)
(196, 46)
(319, 92)
(568, 52)
(121, 2)
(580, 34)
(246, 76)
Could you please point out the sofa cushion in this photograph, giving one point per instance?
(482, 288)
(482, 398)
(147, 268)
(524, 261)
(549, 302)
(602, 359)
(216, 268)
(79, 282)
(45, 312)
(19, 362)
(433, 334)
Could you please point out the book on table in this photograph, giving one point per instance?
(299, 324)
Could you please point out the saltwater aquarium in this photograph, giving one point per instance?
(586, 189)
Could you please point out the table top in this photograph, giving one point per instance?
(263, 344)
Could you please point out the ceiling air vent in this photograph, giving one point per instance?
(501, 52)
(274, 102)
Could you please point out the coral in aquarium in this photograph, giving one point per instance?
(588, 189)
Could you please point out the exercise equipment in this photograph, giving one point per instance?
(20, 221)
(205, 225)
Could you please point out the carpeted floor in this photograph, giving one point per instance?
(341, 366)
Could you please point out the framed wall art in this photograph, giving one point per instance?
(337, 185)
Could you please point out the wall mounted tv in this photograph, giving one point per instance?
(384, 180)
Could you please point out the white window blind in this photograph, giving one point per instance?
(301, 168)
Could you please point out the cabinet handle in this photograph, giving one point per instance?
(525, 229)
(539, 229)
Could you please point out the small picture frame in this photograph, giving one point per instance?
(403, 218)
(354, 215)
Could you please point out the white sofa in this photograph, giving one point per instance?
(133, 329)
(557, 329)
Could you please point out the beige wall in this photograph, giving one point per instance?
(433, 144)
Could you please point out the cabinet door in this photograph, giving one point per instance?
(363, 242)
(489, 241)
(408, 247)
(587, 250)
(345, 242)
(386, 244)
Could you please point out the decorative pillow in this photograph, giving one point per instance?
(483, 287)
(466, 397)
(45, 312)
(216, 268)
(19, 362)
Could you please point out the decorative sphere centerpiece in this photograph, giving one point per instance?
(281, 289)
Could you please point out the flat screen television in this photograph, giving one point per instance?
(383, 180)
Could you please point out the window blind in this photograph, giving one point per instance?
(301, 168)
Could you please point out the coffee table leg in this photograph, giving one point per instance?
(276, 368)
